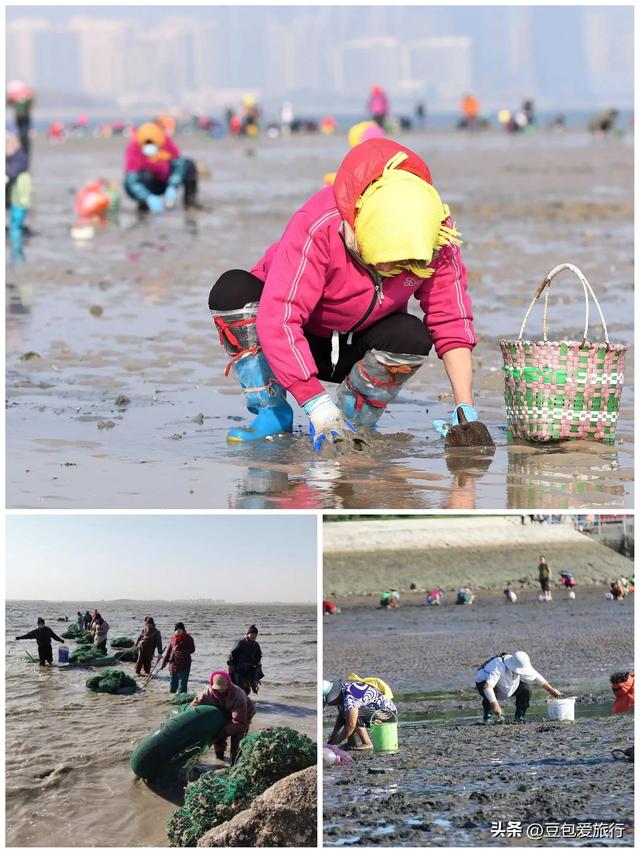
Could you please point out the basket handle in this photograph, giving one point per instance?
(588, 290)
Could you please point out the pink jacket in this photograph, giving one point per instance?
(238, 709)
(314, 281)
(135, 160)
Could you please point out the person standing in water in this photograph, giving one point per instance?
(100, 630)
(544, 576)
(178, 656)
(43, 636)
(329, 301)
(149, 639)
(236, 706)
(245, 661)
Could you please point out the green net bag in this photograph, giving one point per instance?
(216, 797)
(558, 390)
(111, 681)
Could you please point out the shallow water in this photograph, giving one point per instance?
(68, 780)
(126, 315)
(451, 776)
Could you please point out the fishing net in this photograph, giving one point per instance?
(90, 656)
(216, 797)
(72, 632)
(111, 681)
(182, 698)
(121, 643)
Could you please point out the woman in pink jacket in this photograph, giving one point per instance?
(329, 301)
(238, 710)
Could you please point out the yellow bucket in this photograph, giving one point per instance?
(384, 735)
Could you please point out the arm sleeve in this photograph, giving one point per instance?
(55, 637)
(258, 653)
(238, 722)
(233, 657)
(536, 678)
(159, 642)
(31, 635)
(167, 651)
(178, 170)
(490, 693)
(446, 303)
(292, 289)
(192, 646)
(135, 186)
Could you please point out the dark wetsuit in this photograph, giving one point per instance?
(43, 637)
(245, 658)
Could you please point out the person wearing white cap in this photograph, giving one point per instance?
(356, 702)
(508, 675)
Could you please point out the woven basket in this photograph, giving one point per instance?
(558, 390)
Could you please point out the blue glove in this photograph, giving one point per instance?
(170, 196)
(155, 203)
(327, 423)
(470, 414)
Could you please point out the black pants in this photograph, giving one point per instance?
(397, 333)
(522, 697)
(23, 126)
(45, 653)
(158, 187)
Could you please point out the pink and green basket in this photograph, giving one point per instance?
(559, 390)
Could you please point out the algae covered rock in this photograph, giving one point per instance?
(285, 815)
(216, 797)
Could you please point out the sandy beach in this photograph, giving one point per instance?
(68, 779)
(115, 386)
(452, 777)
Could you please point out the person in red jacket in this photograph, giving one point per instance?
(329, 301)
(238, 710)
(178, 656)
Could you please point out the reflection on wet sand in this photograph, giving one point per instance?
(125, 315)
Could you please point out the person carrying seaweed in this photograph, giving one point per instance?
(329, 301)
(149, 639)
(245, 662)
(43, 636)
(236, 706)
(178, 656)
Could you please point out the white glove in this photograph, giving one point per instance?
(327, 421)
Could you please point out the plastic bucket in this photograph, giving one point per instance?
(562, 709)
(384, 734)
(63, 654)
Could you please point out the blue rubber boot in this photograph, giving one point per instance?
(265, 398)
(373, 383)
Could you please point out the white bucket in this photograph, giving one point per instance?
(561, 709)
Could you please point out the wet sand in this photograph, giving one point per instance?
(125, 403)
(453, 777)
(68, 778)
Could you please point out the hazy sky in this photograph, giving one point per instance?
(237, 558)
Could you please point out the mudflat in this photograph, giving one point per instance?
(453, 777)
(115, 376)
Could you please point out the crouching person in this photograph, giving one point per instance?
(356, 701)
(155, 171)
(236, 706)
(506, 675)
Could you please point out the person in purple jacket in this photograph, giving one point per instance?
(329, 301)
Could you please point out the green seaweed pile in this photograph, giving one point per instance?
(182, 698)
(84, 639)
(87, 656)
(216, 797)
(121, 643)
(111, 681)
(72, 632)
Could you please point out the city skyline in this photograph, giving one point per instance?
(205, 58)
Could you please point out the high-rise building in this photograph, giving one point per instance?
(103, 44)
(22, 51)
(439, 68)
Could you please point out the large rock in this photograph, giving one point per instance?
(286, 815)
